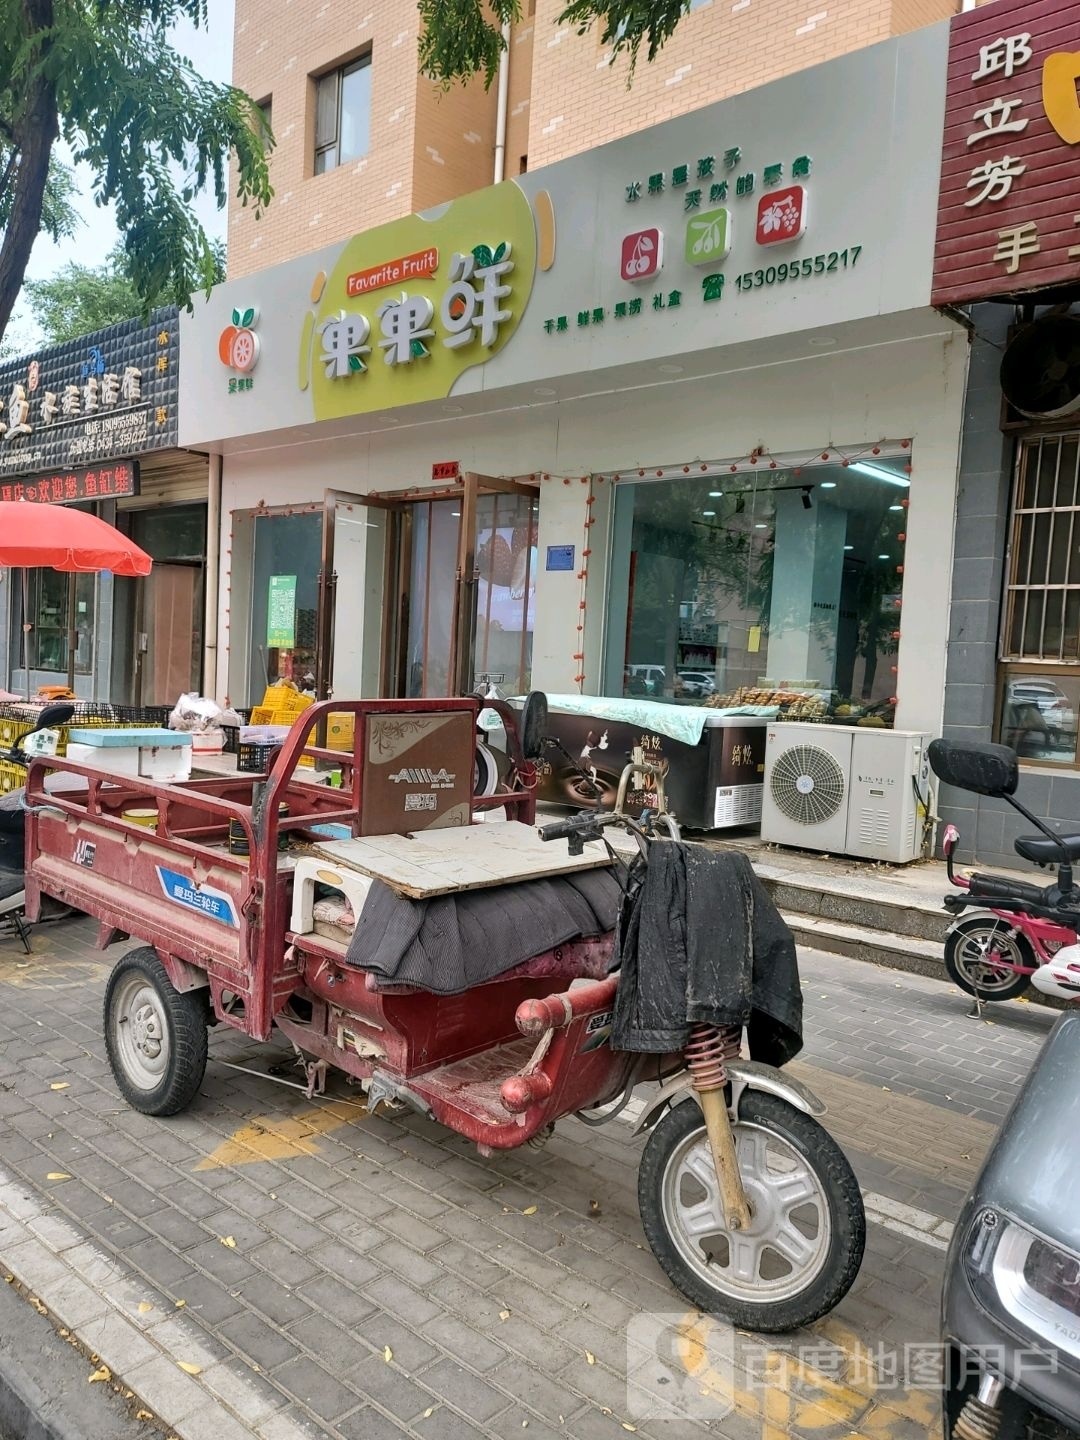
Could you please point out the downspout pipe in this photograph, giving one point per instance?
(213, 578)
(501, 106)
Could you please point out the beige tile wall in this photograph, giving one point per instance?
(565, 96)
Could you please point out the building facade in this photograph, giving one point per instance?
(363, 139)
(1008, 251)
(678, 403)
(93, 423)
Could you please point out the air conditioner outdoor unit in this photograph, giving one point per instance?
(846, 790)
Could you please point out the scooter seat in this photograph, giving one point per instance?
(1042, 851)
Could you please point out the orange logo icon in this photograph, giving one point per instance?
(238, 345)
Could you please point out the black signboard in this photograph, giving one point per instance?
(105, 396)
(64, 487)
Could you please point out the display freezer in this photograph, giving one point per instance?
(715, 762)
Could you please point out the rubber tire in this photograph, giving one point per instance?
(1008, 992)
(829, 1163)
(186, 1020)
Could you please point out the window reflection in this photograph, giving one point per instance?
(779, 589)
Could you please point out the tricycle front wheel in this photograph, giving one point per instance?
(155, 1037)
(807, 1232)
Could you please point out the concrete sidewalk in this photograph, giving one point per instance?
(273, 1267)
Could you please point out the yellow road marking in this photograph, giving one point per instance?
(266, 1139)
(789, 1393)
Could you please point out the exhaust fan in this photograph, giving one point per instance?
(1040, 370)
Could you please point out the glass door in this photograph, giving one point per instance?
(463, 568)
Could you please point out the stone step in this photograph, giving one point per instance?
(870, 906)
(881, 947)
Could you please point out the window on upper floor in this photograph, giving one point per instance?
(342, 114)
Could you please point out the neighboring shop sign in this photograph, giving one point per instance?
(66, 487)
(281, 613)
(412, 305)
(1009, 216)
(106, 395)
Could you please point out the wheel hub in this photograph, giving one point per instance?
(146, 1032)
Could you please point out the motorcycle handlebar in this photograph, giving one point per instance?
(564, 829)
(991, 887)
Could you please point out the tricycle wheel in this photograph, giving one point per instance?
(155, 1037)
(807, 1232)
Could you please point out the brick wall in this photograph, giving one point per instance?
(565, 96)
(580, 98)
(424, 149)
(453, 143)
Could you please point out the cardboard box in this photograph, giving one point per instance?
(418, 771)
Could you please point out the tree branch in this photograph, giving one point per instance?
(36, 131)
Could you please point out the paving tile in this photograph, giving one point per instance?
(316, 1388)
(390, 1388)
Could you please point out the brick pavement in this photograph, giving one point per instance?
(326, 1272)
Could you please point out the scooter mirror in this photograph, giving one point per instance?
(969, 765)
(534, 724)
(58, 714)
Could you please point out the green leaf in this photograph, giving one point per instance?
(355, 363)
(500, 251)
(236, 317)
(249, 316)
(483, 256)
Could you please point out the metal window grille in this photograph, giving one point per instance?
(1042, 602)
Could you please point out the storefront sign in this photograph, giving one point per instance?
(445, 470)
(281, 613)
(65, 487)
(464, 282)
(1009, 216)
(110, 394)
(420, 266)
(769, 214)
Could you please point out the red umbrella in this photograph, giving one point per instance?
(33, 535)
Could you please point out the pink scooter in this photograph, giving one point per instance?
(1020, 932)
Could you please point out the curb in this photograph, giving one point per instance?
(26, 1409)
(89, 1293)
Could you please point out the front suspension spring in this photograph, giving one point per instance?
(708, 1050)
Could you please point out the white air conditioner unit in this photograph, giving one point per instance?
(846, 790)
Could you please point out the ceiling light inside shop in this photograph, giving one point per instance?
(879, 473)
(896, 507)
(828, 484)
(883, 557)
(708, 512)
(456, 513)
(715, 494)
(849, 547)
(761, 525)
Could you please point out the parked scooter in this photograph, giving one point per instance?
(1011, 1302)
(1019, 932)
(13, 832)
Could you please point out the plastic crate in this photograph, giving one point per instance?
(263, 715)
(252, 757)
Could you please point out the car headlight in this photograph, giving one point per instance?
(1036, 1282)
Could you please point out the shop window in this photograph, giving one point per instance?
(49, 601)
(1040, 644)
(778, 589)
(343, 115)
